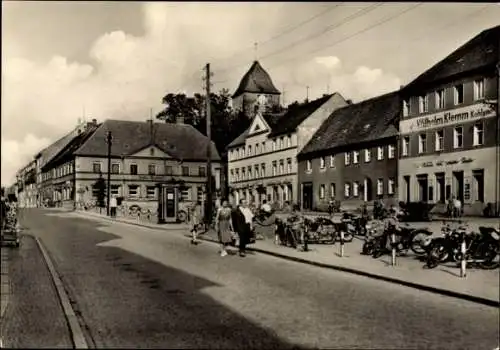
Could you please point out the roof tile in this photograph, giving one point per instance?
(256, 80)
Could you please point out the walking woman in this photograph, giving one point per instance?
(196, 220)
(224, 226)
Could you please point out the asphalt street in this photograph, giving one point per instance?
(144, 288)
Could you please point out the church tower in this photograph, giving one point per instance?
(256, 92)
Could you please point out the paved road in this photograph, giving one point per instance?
(137, 287)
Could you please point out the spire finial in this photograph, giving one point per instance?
(255, 48)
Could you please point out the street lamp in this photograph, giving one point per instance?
(109, 141)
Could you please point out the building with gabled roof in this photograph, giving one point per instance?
(262, 160)
(352, 157)
(450, 129)
(143, 155)
(256, 91)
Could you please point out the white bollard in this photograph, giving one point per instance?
(341, 244)
(463, 262)
(393, 250)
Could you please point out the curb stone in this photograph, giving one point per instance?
(445, 292)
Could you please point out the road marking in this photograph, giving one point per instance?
(79, 341)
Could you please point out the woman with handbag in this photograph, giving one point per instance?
(224, 226)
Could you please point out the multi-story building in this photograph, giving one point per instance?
(26, 186)
(255, 91)
(353, 155)
(143, 155)
(449, 129)
(262, 161)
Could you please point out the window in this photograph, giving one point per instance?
(185, 194)
(237, 171)
(289, 165)
(281, 142)
(380, 187)
(115, 168)
(257, 149)
(458, 137)
(380, 153)
(478, 185)
(256, 171)
(185, 171)
(459, 94)
(249, 150)
(479, 89)
(286, 142)
(275, 167)
(478, 137)
(347, 158)
(263, 170)
(321, 191)
(439, 140)
(243, 174)
(133, 191)
(440, 99)
(151, 169)
(169, 170)
(282, 166)
(263, 147)
(249, 170)
(232, 175)
(422, 143)
(355, 189)
(347, 190)
(390, 186)
(355, 157)
(423, 105)
(406, 108)
(274, 145)
(368, 155)
(96, 167)
(392, 151)
(115, 190)
(242, 152)
(202, 171)
(133, 169)
(406, 145)
(151, 191)
(322, 162)
(308, 165)
(333, 190)
(332, 161)
(199, 193)
(289, 140)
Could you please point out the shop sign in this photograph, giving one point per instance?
(458, 115)
(443, 162)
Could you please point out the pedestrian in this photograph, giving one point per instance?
(457, 206)
(112, 206)
(224, 226)
(196, 220)
(265, 207)
(242, 220)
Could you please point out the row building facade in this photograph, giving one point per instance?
(449, 129)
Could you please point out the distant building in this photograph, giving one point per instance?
(256, 92)
(27, 193)
(262, 160)
(353, 155)
(143, 154)
(449, 130)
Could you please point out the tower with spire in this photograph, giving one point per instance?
(256, 92)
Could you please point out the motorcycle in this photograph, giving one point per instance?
(320, 230)
(482, 248)
(407, 238)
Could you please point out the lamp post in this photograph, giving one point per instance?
(109, 141)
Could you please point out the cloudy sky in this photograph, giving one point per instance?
(117, 59)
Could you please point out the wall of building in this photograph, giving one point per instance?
(312, 123)
(248, 100)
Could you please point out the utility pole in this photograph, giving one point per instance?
(109, 140)
(208, 216)
(307, 93)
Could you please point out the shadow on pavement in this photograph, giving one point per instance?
(128, 301)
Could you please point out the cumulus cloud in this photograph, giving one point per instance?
(130, 74)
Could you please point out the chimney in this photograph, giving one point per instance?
(179, 119)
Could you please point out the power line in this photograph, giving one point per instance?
(286, 31)
(357, 14)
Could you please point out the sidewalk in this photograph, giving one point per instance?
(479, 286)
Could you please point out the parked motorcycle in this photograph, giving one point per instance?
(320, 230)
(407, 238)
(482, 248)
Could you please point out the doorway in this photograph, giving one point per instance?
(307, 195)
(423, 188)
(441, 188)
(458, 185)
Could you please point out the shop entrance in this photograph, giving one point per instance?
(307, 194)
(441, 188)
(423, 188)
(458, 185)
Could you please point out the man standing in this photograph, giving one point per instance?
(242, 221)
(112, 206)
